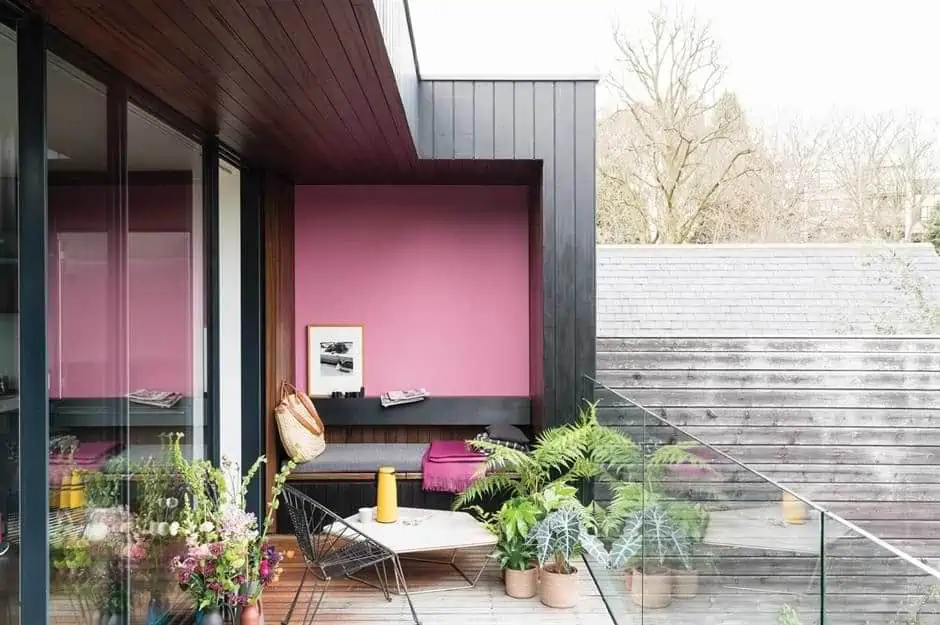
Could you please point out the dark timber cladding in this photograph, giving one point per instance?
(551, 122)
(303, 86)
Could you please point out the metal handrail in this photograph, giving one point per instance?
(926, 568)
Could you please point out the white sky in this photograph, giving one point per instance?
(799, 56)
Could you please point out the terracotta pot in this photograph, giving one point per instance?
(522, 584)
(684, 584)
(251, 614)
(651, 590)
(558, 590)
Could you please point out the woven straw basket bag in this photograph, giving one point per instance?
(299, 425)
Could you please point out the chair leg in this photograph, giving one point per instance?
(403, 588)
(326, 585)
(290, 610)
(382, 575)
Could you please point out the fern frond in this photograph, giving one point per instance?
(487, 487)
(614, 452)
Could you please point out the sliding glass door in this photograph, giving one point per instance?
(126, 344)
(9, 322)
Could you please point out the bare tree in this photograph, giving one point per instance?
(675, 144)
(914, 173)
(885, 168)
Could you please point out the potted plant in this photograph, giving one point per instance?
(650, 544)
(692, 519)
(511, 525)
(557, 539)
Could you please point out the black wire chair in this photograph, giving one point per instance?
(332, 548)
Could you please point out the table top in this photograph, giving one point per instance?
(418, 529)
(764, 528)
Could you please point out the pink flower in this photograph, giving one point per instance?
(216, 549)
(265, 569)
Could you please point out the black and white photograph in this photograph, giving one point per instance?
(334, 359)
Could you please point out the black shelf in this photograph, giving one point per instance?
(94, 412)
(434, 411)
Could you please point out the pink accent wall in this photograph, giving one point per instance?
(159, 292)
(437, 275)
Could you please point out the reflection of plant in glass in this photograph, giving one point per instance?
(787, 615)
(102, 489)
(651, 538)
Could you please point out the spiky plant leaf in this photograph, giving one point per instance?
(593, 547)
(651, 535)
(629, 545)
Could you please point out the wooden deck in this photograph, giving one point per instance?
(352, 603)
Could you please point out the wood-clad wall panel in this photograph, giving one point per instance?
(278, 219)
(853, 423)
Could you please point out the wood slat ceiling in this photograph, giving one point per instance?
(302, 85)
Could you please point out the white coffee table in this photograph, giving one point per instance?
(420, 531)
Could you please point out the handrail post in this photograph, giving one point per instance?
(822, 568)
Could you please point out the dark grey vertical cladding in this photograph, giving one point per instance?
(585, 239)
(395, 23)
(544, 147)
(463, 119)
(566, 382)
(426, 120)
(524, 114)
(443, 116)
(504, 120)
(552, 122)
(483, 124)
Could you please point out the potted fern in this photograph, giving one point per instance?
(558, 539)
(650, 544)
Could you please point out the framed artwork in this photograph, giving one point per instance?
(334, 359)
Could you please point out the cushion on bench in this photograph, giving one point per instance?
(365, 458)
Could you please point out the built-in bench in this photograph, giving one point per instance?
(343, 476)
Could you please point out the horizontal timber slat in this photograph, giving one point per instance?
(853, 423)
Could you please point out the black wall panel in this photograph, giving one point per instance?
(553, 122)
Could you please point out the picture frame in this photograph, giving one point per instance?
(334, 359)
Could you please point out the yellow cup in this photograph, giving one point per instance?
(386, 504)
(794, 510)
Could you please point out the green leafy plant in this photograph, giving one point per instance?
(511, 525)
(562, 455)
(787, 615)
(102, 489)
(651, 538)
(564, 535)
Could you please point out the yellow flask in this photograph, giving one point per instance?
(386, 505)
(77, 495)
(65, 490)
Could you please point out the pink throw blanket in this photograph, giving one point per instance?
(449, 466)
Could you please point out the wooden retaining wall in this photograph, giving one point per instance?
(854, 423)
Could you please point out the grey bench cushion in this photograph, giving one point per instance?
(365, 458)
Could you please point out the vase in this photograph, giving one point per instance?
(209, 616)
(251, 614)
(158, 610)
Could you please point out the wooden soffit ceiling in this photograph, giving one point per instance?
(302, 85)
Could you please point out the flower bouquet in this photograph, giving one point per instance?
(228, 561)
